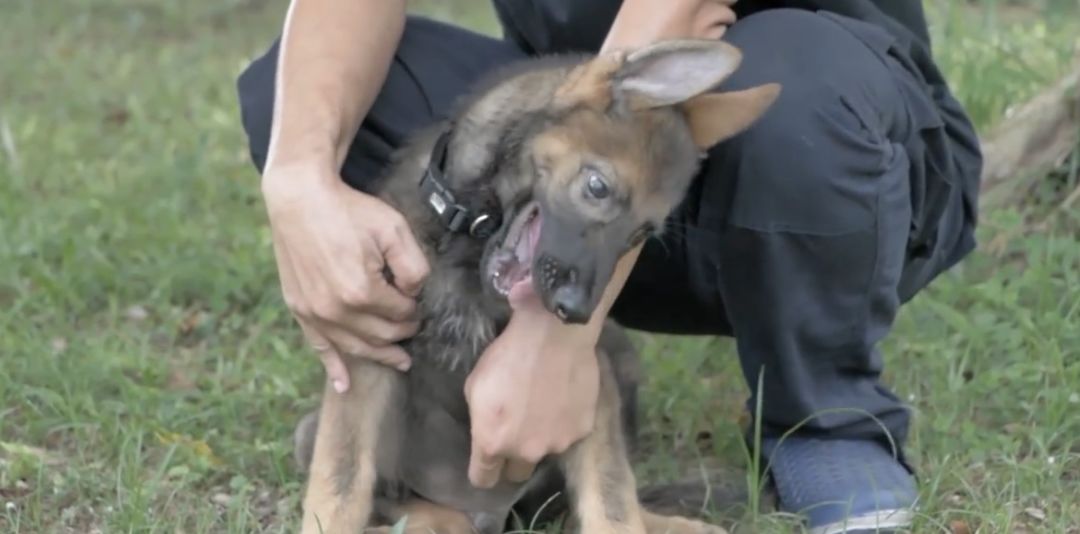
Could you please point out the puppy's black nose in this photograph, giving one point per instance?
(571, 304)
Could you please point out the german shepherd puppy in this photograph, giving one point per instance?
(542, 180)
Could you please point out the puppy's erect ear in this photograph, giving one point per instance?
(673, 71)
(715, 117)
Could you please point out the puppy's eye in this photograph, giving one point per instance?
(597, 186)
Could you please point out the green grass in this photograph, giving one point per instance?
(150, 377)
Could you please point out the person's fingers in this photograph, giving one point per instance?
(347, 344)
(362, 312)
(390, 355)
(406, 260)
(338, 330)
(714, 32)
(336, 371)
(518, 470)
(378, 297)
(335, 368)
(712, 20)
(484, 469)
(710, 13)
(378, 331)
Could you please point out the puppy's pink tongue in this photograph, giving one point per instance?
(523, 297)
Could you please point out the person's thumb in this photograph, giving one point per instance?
(404, 258)
(335, 369)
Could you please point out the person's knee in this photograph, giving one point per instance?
(814, 162)
(255, 92)
(808, 166)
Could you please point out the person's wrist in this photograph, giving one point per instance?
(572, 339)
(315, 164)
(312, 155)
(285, 181)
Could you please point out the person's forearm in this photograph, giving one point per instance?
(333, 60)
(549, 326)
(611, 293)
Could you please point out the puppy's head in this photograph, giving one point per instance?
(613, 154)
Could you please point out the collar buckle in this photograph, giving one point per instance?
(454, 215)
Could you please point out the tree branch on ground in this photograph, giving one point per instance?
(1032, 141)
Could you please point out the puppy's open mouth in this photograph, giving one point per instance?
(510, 265)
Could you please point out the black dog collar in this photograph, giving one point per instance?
(454, 215)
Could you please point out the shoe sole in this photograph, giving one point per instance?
(881, 522)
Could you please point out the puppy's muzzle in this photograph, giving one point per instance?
(569, 298)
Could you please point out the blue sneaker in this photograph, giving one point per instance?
(841, 486)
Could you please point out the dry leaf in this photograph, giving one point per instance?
(1035, 513)
(191, 322)
(180, 381)
(959, 526)
(136, 313)
(117, 116)
(58, 345)
(19, 449)
(198, 447)
(1015, 428)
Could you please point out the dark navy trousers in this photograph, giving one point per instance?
(800, 238)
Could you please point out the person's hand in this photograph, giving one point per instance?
(532, 393)
(331, 244)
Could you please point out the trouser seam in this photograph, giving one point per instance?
(863, 324)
